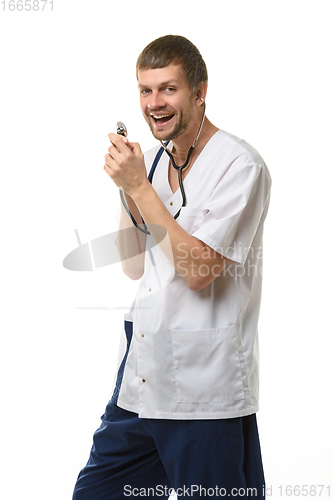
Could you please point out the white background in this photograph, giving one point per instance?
(67, 77)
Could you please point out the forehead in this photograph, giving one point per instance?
(173, 73)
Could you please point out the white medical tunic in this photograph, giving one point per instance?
(194, 354)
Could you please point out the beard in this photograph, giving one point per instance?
(179, 128)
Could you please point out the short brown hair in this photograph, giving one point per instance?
(174, 49)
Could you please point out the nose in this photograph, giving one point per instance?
(156, 100)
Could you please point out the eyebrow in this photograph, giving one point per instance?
(162, 84)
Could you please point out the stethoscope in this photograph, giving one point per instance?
(121, 130)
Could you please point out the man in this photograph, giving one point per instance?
(183, 412)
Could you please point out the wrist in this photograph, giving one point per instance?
(140, 191)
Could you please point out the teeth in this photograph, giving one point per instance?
(160, 116)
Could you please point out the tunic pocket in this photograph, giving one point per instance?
(207, 365)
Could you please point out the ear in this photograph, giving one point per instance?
(201, 93)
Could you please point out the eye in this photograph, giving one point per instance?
(169, 90)
(144, 91)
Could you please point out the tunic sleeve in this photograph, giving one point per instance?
(236, 208)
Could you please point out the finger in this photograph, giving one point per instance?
(114, 153)
(128, 143)
(109, 171)
(112, 175)
(135, 147)
(110, 161)
(119, 142)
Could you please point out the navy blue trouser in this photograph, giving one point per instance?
(139, 457)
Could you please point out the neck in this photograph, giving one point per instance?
(183, 143)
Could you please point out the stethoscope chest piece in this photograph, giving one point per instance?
(121, 129)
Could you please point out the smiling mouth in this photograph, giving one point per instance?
(161, 119)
